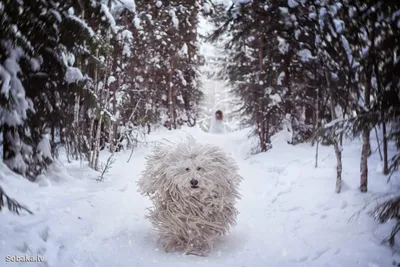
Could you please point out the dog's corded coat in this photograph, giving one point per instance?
(189, 218)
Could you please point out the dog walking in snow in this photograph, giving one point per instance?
(194, 188)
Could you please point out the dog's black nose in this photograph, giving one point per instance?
(194, 182)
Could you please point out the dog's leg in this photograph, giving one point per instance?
(198, 247)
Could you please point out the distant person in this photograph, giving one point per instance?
(217, 125)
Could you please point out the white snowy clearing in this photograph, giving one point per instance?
(289, 212)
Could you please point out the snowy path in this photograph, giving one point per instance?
(289, 214)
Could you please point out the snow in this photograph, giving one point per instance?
(346, 47)
(293, 3)
(289, 213)
(68, 59)
(175, 20)
(136, 22)
(12, 88)
(284, 10)
(184, 50)
(182, 78)
(110, 80)
(237, 2)
(217, 93)
(280, 78)
(109, 17)
(338, 111)
(83, 24)
(339, 25)
(275, 99)
(129, 4)
(56, 14)
(297, 34)
(206, 8)
(44, 147)
(127, 38)
(6, 79)
(287, 129)
(323, 13)
(305, 55)
(35, 64)
(283, 46)
(73, 75)
(158, 4)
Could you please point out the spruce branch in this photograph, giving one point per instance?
(352, 127)
(386, 211)
(106, 167)
(12, 204)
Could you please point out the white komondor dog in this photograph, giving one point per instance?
(194, 188)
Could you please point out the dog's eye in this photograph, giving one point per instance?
(198, 168)
(187, 169)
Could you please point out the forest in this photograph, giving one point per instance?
(94, 75)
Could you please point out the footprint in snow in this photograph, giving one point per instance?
(44, 234)
(124, 188)
(24, 248)
(303, 259)
(41, 251)
(319, 253)
(284, 192)
(327, 208)
(293, 209)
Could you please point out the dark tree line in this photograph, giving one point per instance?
(324, 70)
(92, 75)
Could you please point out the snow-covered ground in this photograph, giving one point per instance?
(289, 213)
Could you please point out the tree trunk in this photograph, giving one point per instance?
(316, 155)
(75, 123)
(111, 140)
(62, 135)
(7, 143)
(365, 137)
(379, 143)
(111, 137)
(262, 130)
(336, 145)
(267, 137)
(338, 152)
(316, 108)
(385, 150)
(364, 162)
(52, 133)
(261, 127)
(93, 119)
(316, 105)
(171, 116)
(91, 144)
(76, 109)
(98, 133)
(316, 122)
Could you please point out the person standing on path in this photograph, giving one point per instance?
(217, 125)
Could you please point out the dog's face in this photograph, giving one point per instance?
(195, 168)
(190, 168)
(192, 171)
